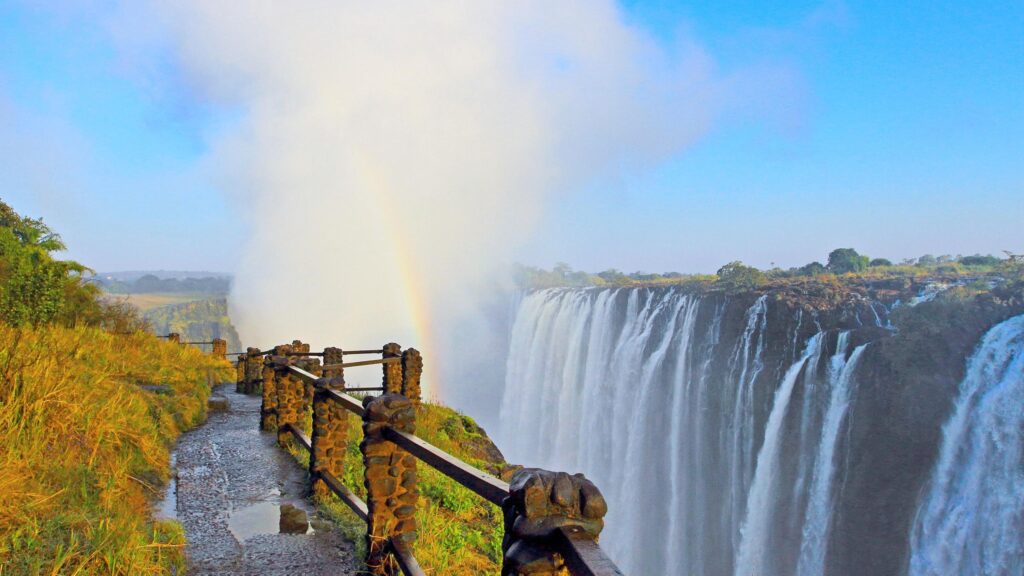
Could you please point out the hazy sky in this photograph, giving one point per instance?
(893, 127)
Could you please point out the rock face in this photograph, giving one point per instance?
(539, 503)
(293, 520)
(793, 428)
(217, 403)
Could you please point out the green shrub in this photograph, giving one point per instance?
(845, 260)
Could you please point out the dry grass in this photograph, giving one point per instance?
(84, 449)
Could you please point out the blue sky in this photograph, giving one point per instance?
(904, 135)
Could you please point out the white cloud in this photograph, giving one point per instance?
(392, 154)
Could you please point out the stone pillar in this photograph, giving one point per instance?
(539, 503)
(334, 356)
(268, 408)
(252, 370)
(240, 374)
(392, 372)
(390, 480)
(329, 440)
(412, 370)
(292, 402)
(220, 348)
(174, 337)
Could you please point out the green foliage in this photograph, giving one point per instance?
(563, 276)
(880, 262)
(36, 288)
(927, 260)
(979, 260)
(813, 269)
(845, 260)
(737, 275)
(459, 532)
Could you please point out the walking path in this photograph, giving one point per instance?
(237, 492)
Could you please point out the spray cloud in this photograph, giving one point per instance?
(391, 155)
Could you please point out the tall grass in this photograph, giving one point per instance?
(84, 447)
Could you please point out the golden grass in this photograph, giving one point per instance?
(84, 449)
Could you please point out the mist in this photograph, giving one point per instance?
(388, 158)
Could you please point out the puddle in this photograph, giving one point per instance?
(167, 508)
(268, 518)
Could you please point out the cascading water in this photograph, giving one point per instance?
(691, 418)
(971, 518)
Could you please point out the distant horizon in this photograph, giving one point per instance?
(222, 274)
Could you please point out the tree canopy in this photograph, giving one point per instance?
(844, 260)
(37, 288)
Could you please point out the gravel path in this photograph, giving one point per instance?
(232, 484)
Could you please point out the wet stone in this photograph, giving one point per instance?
(217, 403)
(235, 489)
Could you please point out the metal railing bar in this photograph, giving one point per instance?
(351, 500)
(583, 556)
(300, 436)
(406, 561)
(347, 402)
(390, 360)
(347, 352)
(486, 486)
(303, 375)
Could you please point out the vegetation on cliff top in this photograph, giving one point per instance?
(843, 264)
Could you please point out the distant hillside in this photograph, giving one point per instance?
(133, 275)
(151, 284)
(196, 321)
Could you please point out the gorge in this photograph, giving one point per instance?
(805, 428)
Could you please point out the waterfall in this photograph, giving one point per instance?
(971, 517)
(682, 420)
(754, 533)
(814, 541)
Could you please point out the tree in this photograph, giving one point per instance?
(927, 260)
(812, 269)
(36, 288)
(880, 262)
(844, 260)
(738, 275)
(614, 277)
(979, 260)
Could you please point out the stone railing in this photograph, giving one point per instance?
(552, 520)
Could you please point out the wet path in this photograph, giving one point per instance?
(235, 496)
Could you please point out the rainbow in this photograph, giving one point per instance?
(415, 301)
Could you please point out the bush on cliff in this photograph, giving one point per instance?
(739, 276)
(845, 260)
(84, 447)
